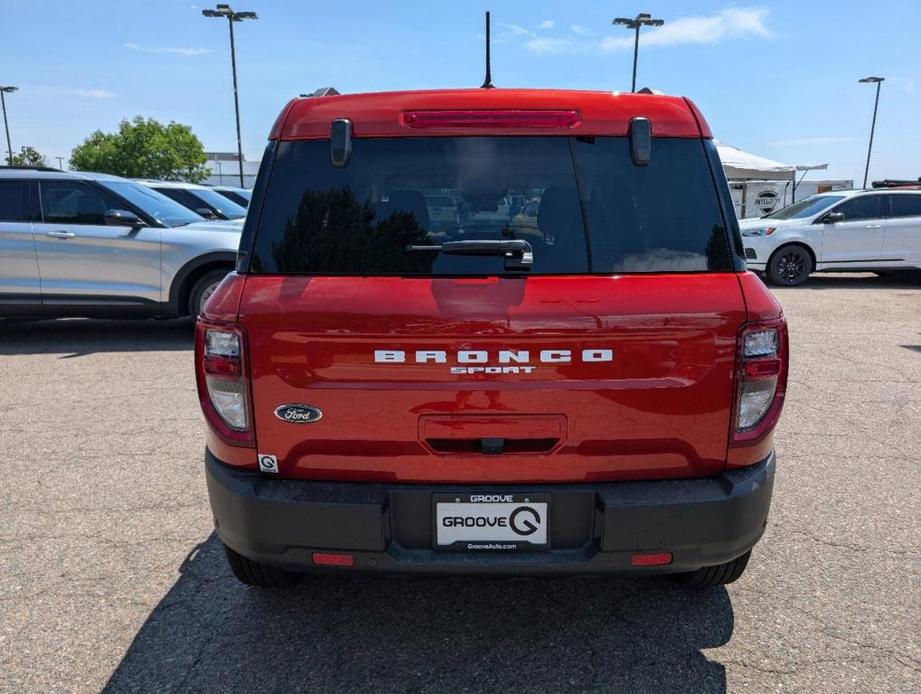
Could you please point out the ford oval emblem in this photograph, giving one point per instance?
(298, 414)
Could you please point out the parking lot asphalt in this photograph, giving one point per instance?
(111, 576)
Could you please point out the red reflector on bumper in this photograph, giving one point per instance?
(651, 559)
(328, 559)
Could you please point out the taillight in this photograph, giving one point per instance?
(762, 379)
(221, 375)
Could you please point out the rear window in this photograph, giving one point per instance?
(580, 203)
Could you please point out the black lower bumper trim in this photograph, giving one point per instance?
(595, 528)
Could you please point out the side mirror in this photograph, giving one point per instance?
(833, 217)
(123, 218)
(206, 212)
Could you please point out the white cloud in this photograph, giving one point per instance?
(93, 93)
(811, 141)
(906, 84)
(546, 45)
(514, 31)
(534, 41)
(176, 51)
(71, 91)
(733, 22)
(730, 23)
(546, 24)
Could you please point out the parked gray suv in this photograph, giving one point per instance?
(87, 244)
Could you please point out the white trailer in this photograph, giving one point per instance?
(758, 198)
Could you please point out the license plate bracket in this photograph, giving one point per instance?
(490, 522)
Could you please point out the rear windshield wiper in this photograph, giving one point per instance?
(517, 252)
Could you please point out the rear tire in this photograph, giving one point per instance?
(719, 575)
(252, 573)
(790, 265)
(203, 288)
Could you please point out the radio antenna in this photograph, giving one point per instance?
(487, 83)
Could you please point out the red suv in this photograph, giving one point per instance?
(567, 370)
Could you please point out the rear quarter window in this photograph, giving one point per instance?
(905, 205)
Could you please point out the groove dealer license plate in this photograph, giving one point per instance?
(491, 522)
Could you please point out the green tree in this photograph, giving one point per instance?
(29, 156)
(144, 148)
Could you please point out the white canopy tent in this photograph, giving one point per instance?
(745, 166)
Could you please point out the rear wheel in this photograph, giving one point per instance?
(252, 573)
(719, 575)
(203, 289)
(789, 266)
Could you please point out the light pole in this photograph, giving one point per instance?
(878, 81)
(227, 12)
(642, 19)
(6, 124)
(60, 163)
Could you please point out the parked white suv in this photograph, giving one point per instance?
(856, 230)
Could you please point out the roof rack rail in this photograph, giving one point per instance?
(29, 167)
(895, 183)
(323, 91)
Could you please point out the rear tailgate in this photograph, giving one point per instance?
(646, 392)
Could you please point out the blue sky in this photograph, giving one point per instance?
(775, 78)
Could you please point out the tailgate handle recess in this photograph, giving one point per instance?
(492, 446)
(489, 434)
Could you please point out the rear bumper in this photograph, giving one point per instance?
(595, 528)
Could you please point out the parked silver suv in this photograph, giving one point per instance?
(87, 244)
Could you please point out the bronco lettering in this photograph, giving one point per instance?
(504, 356)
